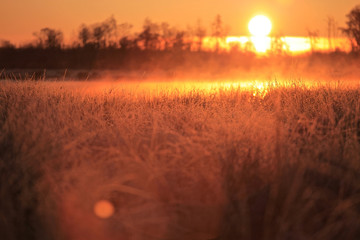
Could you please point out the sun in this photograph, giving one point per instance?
(260, 26)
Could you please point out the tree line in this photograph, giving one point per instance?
(112, 43)
(110, 34)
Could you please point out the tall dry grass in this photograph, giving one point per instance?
(221, 164)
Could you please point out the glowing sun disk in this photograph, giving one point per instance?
(260, 26)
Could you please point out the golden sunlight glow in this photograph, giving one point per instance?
(261, 44)
(260, 26)
(152, 89)
(294, 45)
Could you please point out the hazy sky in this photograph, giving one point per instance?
(20, 18)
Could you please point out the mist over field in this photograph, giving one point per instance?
(206, 67)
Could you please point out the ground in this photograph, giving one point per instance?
(276, 160)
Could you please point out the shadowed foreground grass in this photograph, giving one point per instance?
(220, 164)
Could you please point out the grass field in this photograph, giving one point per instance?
(269, 161)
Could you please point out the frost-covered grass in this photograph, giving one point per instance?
(219, 163)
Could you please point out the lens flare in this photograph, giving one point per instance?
(104, 209)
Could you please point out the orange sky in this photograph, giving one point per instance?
(20, 18)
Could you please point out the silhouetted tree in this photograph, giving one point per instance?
(110, 31)
(332, 30)
(353, 28)
(200, 33)
(149, 36)
(313, 39)
(124, 29)
(218, 31)
(179, 43)
(104, 34)
(6, 44)
(84, 35)
(99, 36)
(126, 43)
(49, 38)
(123, 32)
(146, 37)
(167, 35)
(278, 45)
